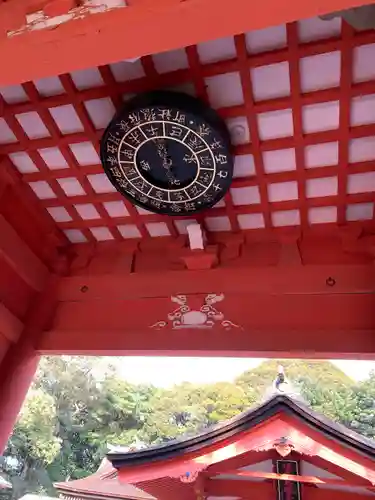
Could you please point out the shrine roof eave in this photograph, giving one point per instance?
(101, 485)
(244, 422)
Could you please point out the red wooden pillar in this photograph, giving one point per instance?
(16, 374)
(21, 360)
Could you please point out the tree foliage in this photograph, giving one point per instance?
(78, 406)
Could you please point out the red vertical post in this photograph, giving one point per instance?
(21, 361)
(16, 374)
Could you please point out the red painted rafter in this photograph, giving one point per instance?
(346, 71)
(336, 470)
(295, 478)
(250, 458)
(240, 42)
(295, 88)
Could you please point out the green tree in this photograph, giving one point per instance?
(363, 412)
(33, 445)
(79, 405)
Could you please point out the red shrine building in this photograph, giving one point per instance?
(191, 178)
(279, 450)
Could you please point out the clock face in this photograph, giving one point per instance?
(168, 153)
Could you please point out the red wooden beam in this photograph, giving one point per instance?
(343, 327)
(18, 255)
(295, 478)
(336, 470)
(252, 457)
(331, 494)
(308, 279)
(10, 326)
(169, 24)
(233, 488)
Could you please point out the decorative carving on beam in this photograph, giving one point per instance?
(285, 445)
(207, 316)
(52, 51)
(46, 14)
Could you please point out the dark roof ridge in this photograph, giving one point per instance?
(246, 420)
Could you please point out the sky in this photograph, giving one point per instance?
(167, 371)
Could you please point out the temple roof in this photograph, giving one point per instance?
(278, 403)
(103, 483)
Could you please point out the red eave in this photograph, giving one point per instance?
(103, 483)
(255, 431)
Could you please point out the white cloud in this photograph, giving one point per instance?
(167, 371)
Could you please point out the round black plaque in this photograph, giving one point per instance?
(168, 153)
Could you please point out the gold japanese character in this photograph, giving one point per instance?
(203, 130)
(124, 126)
(165, 114)
(222, 159)
(114, 139)
(189, 206)
(111, 148)
(116, 172)
(179, 117)
(134, 118)
(215, 144)
(128, 153)
(112, 160)
(190, 158)
(223, 174)
(134, 136)
(176, 131)
(148, 114)
(145, 165)
(175, 207)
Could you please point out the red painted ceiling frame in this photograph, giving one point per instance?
(59, 298)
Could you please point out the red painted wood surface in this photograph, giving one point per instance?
(296, 478)
(306, 440)
(114, 35)
(218, 465)
(21, 359)
(195, 76)
(27, 298)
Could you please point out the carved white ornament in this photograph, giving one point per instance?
(205, 317)
(284, 446)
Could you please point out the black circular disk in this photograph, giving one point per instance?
(168, 153)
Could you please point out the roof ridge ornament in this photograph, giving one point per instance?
(281, 382)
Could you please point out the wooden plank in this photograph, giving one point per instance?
(114, 35)
(10, 326)
(18, 255)
(295, 478)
